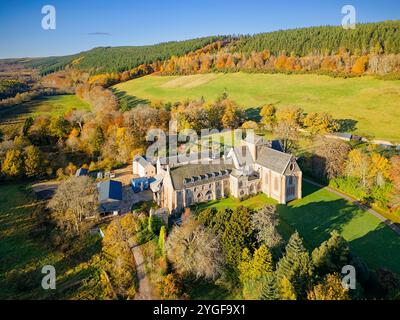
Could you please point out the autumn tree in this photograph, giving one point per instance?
(357, 166)
(360, 66)
(170, 287)
(330, 288)
(32, 161)
(330, 157)
(13, 164)
(287, 131)
(268, 114)
(194, 250)
(120, 262)
(320, 123)
(233, 116)
(253, 269)
(379, 169)
(74, 205)
(395, 178)
(265, 222)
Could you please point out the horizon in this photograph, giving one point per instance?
(82, 27)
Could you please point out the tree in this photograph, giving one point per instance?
(287, 131)
(292, 115)
(331, 255)
(33, 161)
(13, 164)
(330, 157)
(330, 288)
(286, 290)
(170, 287)
(161, 240)
(268, 114)
(379, 169)
(120, 262)
(237, 236)
(265, 222)
(361, 64)
(295, 266)
(320, 123)
(233, 116)
(194, 250)
(155, 224)
(395, 178)
(74, 205)
(270, 288)
(27, 125)
(357, 166)
(253, 269)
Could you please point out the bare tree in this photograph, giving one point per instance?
(75, 204)
(287, 131)
(265, 222)
(193, 249)
(330, 157)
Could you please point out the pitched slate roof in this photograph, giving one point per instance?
(142, 161)
(194, 157)
(110, 190)
(191, 175)
(243, 155)
(272, 159)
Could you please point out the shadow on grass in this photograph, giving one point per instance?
(316, 216)
(131, 101)
(205, 290)
(253, 114)
(347, 125)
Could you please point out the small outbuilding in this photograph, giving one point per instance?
(142, 167)
(110, 196)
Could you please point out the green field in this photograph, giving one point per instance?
(23, 254)
(12, 118)
(319, 212)
(374, 104)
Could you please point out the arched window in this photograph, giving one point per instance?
(276, 184)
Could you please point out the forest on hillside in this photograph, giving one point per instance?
(325, 40)
(118, 59)
(290, 50)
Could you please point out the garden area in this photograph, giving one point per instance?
(318, 213)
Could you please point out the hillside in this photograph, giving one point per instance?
(372, 103)
(118, 59)
(378, 38)
(325, 40)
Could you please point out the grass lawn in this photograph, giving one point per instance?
(13, 117)
(22, 256)
(319, 212)
(372, 103)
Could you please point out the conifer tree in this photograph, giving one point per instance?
(295, 266)
(331, 255)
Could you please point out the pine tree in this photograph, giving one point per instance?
(295, 265)
(331, 255)
(270, 288)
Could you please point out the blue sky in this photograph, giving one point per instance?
(137, 22)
